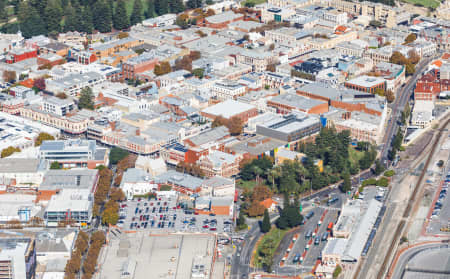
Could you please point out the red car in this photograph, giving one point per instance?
(195, 213)
(213, 229)
(124, 205)
(205, 226)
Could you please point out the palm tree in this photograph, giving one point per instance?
(257, 171)
(273, 174)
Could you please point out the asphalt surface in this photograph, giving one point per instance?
(409, 254)
(403, 96)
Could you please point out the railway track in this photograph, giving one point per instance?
(412, 200)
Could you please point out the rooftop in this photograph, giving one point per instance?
(69, 179)
(228, 108)
(296, 101)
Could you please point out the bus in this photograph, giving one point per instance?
(330, 227)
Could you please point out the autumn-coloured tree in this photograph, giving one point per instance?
(9, 151)
(194, 55)
(43, 136)
(210, 12)
(261, 193)
(117, 194)
(162, 68)
(39, 83)
(61, 95)
(9, 76)
(271, 68)
(256, 209)
(410, 38)
(233, 124)
(184, 63)
(390, 96)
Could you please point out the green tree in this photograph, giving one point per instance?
(102, 16)
(265, 225)
(3, 11)
(379, 168)
(410, 69)
(86, 99)
(116, 154)
(121, 20)
(43, 137)
(31, 23)
(85, 19)
(240, 222)
(136, 14)
(70, 20)
(55, 165)
(161, 7)
(53, 14)
(198, 72)
(347, 184)
(150, 9)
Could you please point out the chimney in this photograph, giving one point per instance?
(113, 125)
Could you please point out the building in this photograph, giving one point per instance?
(70, 206)
(75, 123)
(222, 206)
(152, 166)
(139, 64)
(286, 103)
(227, 90)
(218, 163)
(18, 207)
(74, 153)
(430, 85)
(22, 172)
(160, 21)
(180, 182)
(284, 154)
(259, 60)
(60, 107)
(422, 114)
(73, 83)
(102, 50)
(269, 204)
(21, 92)
(367, 84)
(19, 54)
(221, 20)
(230, 109)
(17, 257)
(137, 182)
(218, 186)
(56, 180)
(254, 147)
(290, 128)
(393, 74)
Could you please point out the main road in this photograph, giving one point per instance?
(398, 105)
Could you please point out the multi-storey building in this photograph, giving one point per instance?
(60, 107)
(227, 90)
(258, 60)
(218, 163)
(139, 64)
(17, 257)
(367, 84)
(74, 153)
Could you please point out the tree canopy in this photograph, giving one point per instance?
(86, 100)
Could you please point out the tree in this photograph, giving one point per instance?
(410, 69)
(398, 58)
(265, 225)
(61, 95)
(120, 19)
(176, 6)
(162, 68)
(9, 151)
(379, 91)
(117, 195)
(53, 14)
(43, 137)
(3, 11)
(55, 165)
(375, 23)
(410, 38)
(39, 83)
(337, 271)
(31, 23)
(85, 20)
(347, 184)
(271, 68)
(256, 209)
(110, 216)
(136, 14)
(9, 76)
(379, 168)
(390, 96)
(240, 222)
(183, 63)
(161, 7)
(150, 8)
(210, 12)
(194, 55)
(70, 19)
(123, 35)
(235, 126)
(199, 72)
(261, 193)
(116, 154)
(102, 16)
(86, 99)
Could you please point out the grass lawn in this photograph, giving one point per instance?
(243, 184)
(355, 155)
(255, 2)
(270, 241)
(425, 3)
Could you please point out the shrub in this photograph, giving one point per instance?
(389, 173)
(383, 182)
